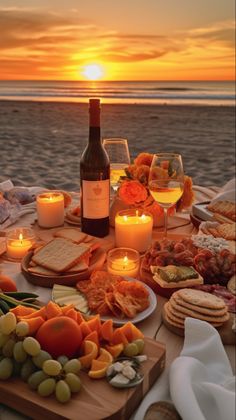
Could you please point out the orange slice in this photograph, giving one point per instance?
(115, 350)
(105, 356)
(98, 369)
(90, 353)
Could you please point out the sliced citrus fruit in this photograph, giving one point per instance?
(105, 356)
(98, 369)
(115, 350)
(90, 352)
(107, 330)
(119, 337)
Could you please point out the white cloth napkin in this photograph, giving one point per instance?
(200, 383)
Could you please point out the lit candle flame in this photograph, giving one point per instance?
(21, 237)
(125, 261)
(126, 218)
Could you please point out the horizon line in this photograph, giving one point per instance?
(117, 81)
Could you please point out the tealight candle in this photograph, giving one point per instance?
(123, 262)
(133, 229)
(19, 241)
(50, 209)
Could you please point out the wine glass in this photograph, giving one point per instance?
(166, 181)
(118, 152)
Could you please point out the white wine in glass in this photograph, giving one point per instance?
(118, 152)
(166, 181)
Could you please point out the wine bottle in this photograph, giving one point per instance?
(95, 179)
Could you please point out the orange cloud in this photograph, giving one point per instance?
(47, 45)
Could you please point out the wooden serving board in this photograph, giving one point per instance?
(226, 333)
(96, 262)
(97, 399)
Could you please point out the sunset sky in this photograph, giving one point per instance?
(123, 40)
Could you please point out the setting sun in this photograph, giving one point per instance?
(93, 71)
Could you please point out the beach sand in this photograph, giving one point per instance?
(41, 142)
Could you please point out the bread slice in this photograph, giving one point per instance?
(73, 234)
(176, 276)
(60, 255)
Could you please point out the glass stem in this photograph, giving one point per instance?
(165, 221)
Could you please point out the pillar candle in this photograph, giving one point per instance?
(133, 229)
(50, 209)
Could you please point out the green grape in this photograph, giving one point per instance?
(130, 350)
(22, 329)
(3, 339)
(7, 349)
(36, 378)
(6, 368)
(19, 352)
(31, 346)
(47, 387)
(16, 368)
(52, 367)
(72, 366)
(27, 369)
(40, 358)
(62, 359)
(63, 393)
(140, 344)
(73, 381)
(8, 323)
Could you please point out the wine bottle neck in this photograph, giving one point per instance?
(94, 134)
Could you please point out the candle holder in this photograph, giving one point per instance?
(18, 242)
(123, 262)
(50, 209)
(133, 229)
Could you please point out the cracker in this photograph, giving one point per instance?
(225, 208)
(183, 312)
(200, 298)
(78, 268)
(37, 269)
(60, 254)
(222, 219)
(201, 309)
(173, 319)
(73, 234)
(227, 231)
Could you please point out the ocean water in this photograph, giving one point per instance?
(150, 92)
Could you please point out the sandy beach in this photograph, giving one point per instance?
(41, 142)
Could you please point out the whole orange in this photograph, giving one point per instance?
(60, 336)
(7, 284)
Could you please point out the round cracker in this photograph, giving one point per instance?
(172, 319)
(200, 298)
(182, 312)
(200, 309)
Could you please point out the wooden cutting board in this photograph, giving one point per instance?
(97, 399)
(226, 333)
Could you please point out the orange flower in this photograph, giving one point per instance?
(142, 174)
(132, 192)
(143, 159)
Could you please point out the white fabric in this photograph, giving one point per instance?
(200, 383)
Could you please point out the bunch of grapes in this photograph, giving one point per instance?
(21, 355)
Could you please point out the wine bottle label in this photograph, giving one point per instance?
(96, 199)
